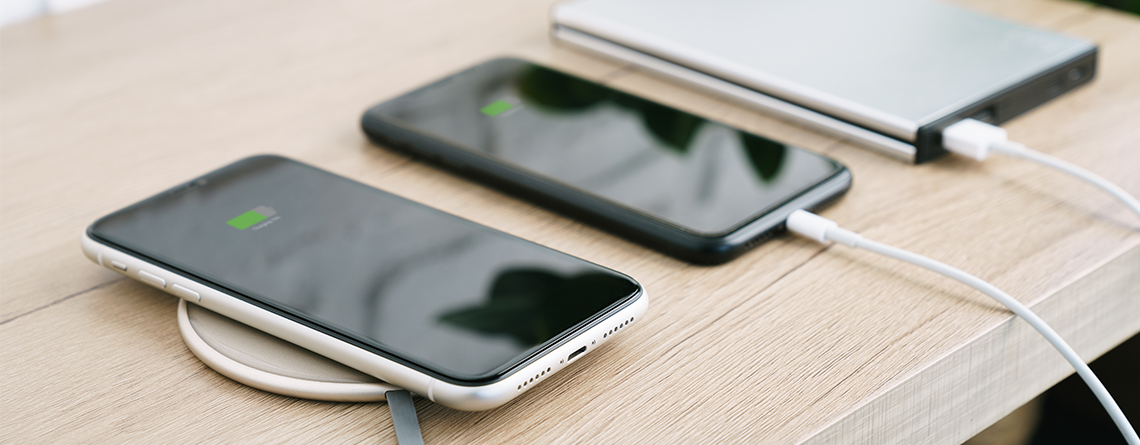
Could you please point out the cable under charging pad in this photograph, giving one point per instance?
(265, 362)
(271, 364)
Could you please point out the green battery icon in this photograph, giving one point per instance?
(248, 219)
(496, 108)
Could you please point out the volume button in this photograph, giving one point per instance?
(151, 279)
(185, 293)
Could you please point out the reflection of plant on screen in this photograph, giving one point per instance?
(554, 91)
(1132, 6)
(766, 156)
(532, 305)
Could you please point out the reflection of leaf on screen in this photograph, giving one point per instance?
(556, 91)
(766, 156)
(675, 128)
(532, 305)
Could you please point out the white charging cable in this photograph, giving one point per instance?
(823, 230)
(977, 139)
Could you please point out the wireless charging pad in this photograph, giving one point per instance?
(265, 362)
(271, 364)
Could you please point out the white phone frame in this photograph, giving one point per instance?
(466, 398)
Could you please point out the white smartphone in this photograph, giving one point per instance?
(459, 313)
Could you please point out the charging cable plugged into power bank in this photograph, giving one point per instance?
(976, 139)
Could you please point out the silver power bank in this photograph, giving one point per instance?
(890, 74)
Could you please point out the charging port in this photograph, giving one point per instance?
(575, 354)
(987, 115)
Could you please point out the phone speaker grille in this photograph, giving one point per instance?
(619, 326)
(533, 380)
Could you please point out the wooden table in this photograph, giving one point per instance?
(792, 343)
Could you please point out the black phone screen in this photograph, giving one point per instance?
(445, 295)
(700, 175)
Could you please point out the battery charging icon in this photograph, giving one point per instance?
(496, 108)
(248, 219)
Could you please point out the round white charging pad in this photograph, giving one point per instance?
(268, 363)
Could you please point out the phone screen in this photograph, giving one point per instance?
(700, 175)
(445, 295)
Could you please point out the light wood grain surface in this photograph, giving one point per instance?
(792, 343)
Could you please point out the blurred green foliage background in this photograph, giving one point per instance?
(1132, 6)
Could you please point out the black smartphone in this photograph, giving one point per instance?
(684, 185)
(461, 314)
